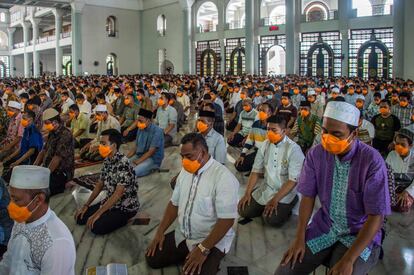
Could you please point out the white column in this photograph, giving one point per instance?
(35, 27)
(399, 38)
(77, 8)
(249, 8)
(11, 45)
(220, 30)
(186, 41)
(26, 29)
(58, 49)
(344, 7)
(292, 36)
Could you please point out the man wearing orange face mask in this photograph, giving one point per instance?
(246, 120)
(58, 153)
(287, 110)
(404, 110)
(280, 160)
(14, 131)
(204, 203)
(30, 145)
(128, 118)
(401, 160)
(147, 152)
(386, 124)
(350, 179)
(79, 125)
(36, 223)
(166, 119)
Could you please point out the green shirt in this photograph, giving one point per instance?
(130, 115)
(79, 123)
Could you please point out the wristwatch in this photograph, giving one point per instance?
(204, 251)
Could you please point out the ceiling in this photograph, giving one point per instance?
(5, 4)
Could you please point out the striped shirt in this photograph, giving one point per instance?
(256, 137)
(403, 114)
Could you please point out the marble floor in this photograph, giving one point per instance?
(256, 246)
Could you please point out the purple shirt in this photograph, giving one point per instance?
(368, 192)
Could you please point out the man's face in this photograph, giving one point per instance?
(275, 128)
(22, 198)
(402, 141)
(336, 128)
(189, 152)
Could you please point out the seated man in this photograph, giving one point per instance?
(236, 110)
(183, 98)
(180, 110)
(84, 105)
(14, 131)
(41, 243)
(6, 224)
(306, 128)
(30, 146)
(128, 118)
(246, 120)
(219, 119)
(147, 152)
(58, 154)
(281, 160)
(401, 161)
(105, 121)
(255, 139)
(79, 125)
(66, 102)
(118, 105)
(166, 119)
(118, 179)
(350, 180)
(204, 232)
(287, 111)
(215, 141)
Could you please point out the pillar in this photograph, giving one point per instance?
(399, 38)
(35, 27)
(344, 7)
(186, 41)
(220, 31)
(292, 36)
(10, 32)
(249, 9)
(58, 50)
(76, 17)
(25, 26)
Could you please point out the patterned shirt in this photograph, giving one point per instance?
(14, 130)
(246, 120)
(60, 143)
(4, 123)
(403, 114)
(306, 129)
(117, 171)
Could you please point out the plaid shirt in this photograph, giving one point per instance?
(403, 114)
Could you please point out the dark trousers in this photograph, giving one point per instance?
(82, 142)
(173, 255)
(57, 183)
(3, 249)
(278, 218)
(247, 164)
(231, 125)
(131, 135)
(168, 140)
(236, 141)
(381, 146)
(110, 221)
(91, 156)
(329, 257)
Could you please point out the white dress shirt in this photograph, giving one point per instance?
(279, 163)
(202, 199)
(216, 146)
(44, 247)
(66, 105)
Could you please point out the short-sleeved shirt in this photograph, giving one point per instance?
(367, 192)
(202, 199)
(403, 169)
(165, 117)
(117, 171)
(109, 123)
(246, 120)
(287, 112)
(130, 114)
(60, 143)
(279, 163)
(150, 137)
(216, 146)
(80, 123)
(32, 138)
(14, 130)
(385, 128)
(4, 123)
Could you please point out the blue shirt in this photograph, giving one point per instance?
(32, 138)
(151, 137)
(6, 224)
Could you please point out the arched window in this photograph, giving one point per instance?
(316, 11)
(278, 15)
(4, 41)
(161, 24)
(67, 65)
(111, 66)
(365, 8)
(207, 17)
(272, 58)
(235, 14)
(111, 26)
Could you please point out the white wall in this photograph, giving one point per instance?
(408, 40)
(96, 45)
(19, 65)
(49, 61)
(172, 41)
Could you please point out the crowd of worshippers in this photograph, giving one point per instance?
(341, 146)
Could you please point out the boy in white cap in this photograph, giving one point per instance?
(40, 242)
(316, 104)
(350, 180)
(14, 131)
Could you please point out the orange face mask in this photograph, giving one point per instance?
(171, 102)
(351, 91)
(383, 110)
(71, 115)
(24, 122)
(20, 214)
(257, 94)
(333, 144)
(141, 125)
(48, 127)
(243, 96)
(262, 115)
(191, 166)
(247, 108)
(359, 105)
(273, 137)
(127, 101)
(10, 113)
(304, 113)
(364, 91)
(161, 102)
(139, 97)
(30, 107)
(285, 102)
(99, 117)
(296, 91)
(104, 150)
(179, 94)
(201, 126)
(403, 103)
(401, 150)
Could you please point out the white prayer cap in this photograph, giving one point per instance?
(342, 111)
(30, 177)
(101, 108)
(311, 92)
(49, 114)
(14, 104)
(335, 90)
(360, 97)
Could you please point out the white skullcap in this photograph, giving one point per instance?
(30, 177)
(49, 114)
(335, 90)
(360, 97)
(311, 92)
(342, 111)
(14, 104)
(101, 108)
